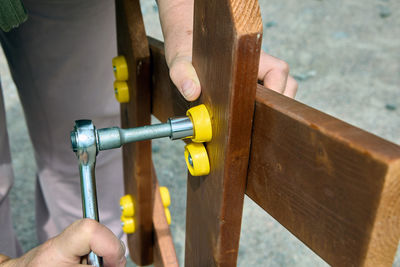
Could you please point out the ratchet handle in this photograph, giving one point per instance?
(89, 204)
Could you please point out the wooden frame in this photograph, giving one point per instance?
(332, 185)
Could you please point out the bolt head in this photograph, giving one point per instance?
(74, 141)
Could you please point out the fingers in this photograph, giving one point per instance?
(185, 78)
(291, 87)
(275, 75)
(88, 235)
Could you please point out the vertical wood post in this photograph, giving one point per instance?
(133, 44)
(226, 47)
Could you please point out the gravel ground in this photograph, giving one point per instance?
(346, 58)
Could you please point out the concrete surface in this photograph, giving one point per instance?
(346, 57)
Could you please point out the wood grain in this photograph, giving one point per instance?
(132, 43)
(334, 186)
(164, 250)
(163, 89)
(226, 48)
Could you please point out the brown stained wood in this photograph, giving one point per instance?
(226, 47)
(166, 91)
(164, 250)
(132, 43)
(332, 185)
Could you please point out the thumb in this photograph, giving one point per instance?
(185, 78)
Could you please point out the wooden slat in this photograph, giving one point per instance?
(332, 185)
(165, 92)
(132, 43)
(226, 46)
(164, 250)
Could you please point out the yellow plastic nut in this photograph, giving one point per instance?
(165, 196)
(201, 123)
(167, 215)
(128, 224)
(127, 205)
(120, 68)
(197, 159)
(121, 90)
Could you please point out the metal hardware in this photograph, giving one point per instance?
(86, 142)
(181, 128)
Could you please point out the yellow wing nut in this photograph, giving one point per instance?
(121, 90)
(197, 159)
(128, 224)
(202, 130)
(165, 196)
(127, 206)
(120, 68)
(167, 215)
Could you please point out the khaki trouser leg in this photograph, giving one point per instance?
(60, 60)
(8, 242)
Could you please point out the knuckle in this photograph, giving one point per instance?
(88, 226)
(283, 66)
(173, 72)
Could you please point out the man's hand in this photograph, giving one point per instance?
(177, 25)
(275, 75)
(76, 241)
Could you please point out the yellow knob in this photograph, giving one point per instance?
(121, 90)
(127, 206)
(202, 130)
(197, 159)
(128, 224)
(120, 68)
(167, 215)
(165, 196)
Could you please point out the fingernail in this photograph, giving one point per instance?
(188, 88)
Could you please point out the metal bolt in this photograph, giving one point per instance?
(190, 160)
(74, 142)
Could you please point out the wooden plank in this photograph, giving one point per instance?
(334, 186)
(167, 101)
(226, 47)
(164, 250)
(132, 43)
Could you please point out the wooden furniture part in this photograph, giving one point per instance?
(332, 185)
(152, 240)
(226, 51)
(164, 250)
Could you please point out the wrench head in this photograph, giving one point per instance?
(84, 141)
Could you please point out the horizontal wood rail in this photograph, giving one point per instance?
(334, 186)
